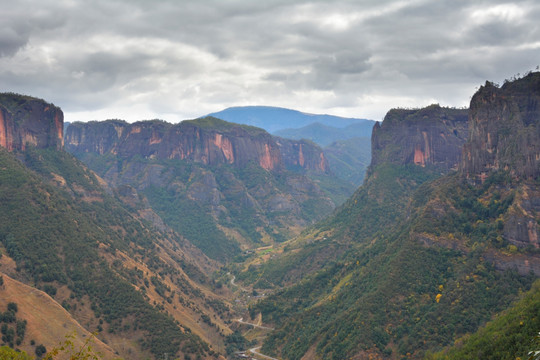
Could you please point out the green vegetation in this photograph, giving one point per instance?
(7, 353)
(68, 224)
(67, 350)
(349, 159)
(201, 202)
(509, 336)
(12, 329)
(374, 208)
(192, 221)
(338, 190)
(376, 288)
(219, 125)
(235, 342)
(475, 214)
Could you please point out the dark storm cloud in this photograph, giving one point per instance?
(180, 59)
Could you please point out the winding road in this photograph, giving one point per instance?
(255, 351)
(241, 321)
(236, 285)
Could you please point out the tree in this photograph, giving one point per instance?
(40, 350)
(12, 307)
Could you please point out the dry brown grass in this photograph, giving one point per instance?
(48, 322)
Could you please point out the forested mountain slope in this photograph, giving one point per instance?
(223, 186)
(147, 292)
(414, 260)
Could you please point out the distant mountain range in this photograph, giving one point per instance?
(273, 119)
(346, 141)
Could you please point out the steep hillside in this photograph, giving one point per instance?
(141, 286)
(409, 269)
(507, 337)
(37, 311)
(347, 149)
(99, 261)
(349, 159)
(505, 134)
(273, 119)
(223, 186)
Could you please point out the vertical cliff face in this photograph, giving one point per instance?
(504, 130)
(428, 136)
(208, 141)
(29, 121)
(505, 136)
(96, 137)
(304, 154)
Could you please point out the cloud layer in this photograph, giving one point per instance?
(139, 59)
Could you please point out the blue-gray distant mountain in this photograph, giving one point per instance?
(273, 119)
(325, 135)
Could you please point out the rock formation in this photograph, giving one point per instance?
(504, 134)
(303, 154)
(209, 141)
(27, 121)
(429, 136)
(504, 131)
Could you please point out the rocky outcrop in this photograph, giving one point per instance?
(504, 135)
(432, 136)
(504, 131)
(303, 154)
(27, 121)
(208, 141)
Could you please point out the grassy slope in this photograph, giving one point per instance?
(43, 312)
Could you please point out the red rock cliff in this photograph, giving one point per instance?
(29, 121)
(209, 141)
(304, 154)
(430, 136)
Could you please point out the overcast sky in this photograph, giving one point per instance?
(180, 59)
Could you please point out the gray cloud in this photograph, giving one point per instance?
(177, 60)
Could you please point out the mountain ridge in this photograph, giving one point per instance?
(275, 118)
(325, 135)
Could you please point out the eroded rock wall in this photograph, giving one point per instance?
(431, 136)
(504, 131)
(30, 121)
